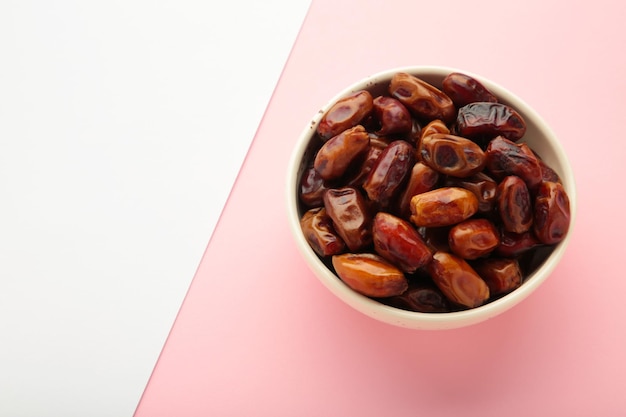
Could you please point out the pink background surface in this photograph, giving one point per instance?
(259, 335)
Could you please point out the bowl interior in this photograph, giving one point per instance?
(538, 136)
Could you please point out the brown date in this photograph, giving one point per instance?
(463, 89)
(552, 213)
(421, 298)
(345, 113)
(435, 126)
(451, 155)
(505, 157)
(500, 274)
(336, 154)
(514, 205)
(443, 207)
(312, 188)
(473, 238)
(457, 280)
(392, 115)
(547, 173)
(397, 241)
(512, 245)
(483, 186)
(389, 172)
(488, 120)
(421, 179)
(370, 274)
(375, 149)
(424, 100)
(350, 215)
(319, 232)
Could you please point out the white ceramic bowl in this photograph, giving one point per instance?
(538, 136)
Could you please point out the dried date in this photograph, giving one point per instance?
(393, 117)
(488, 120)
(389, 172)
(473, 238)
(349, 212)
(451, 155)
(320, 234)
(504, 157)
(463, 89)
(457, 280)
(336, 154)
(370, 274)
(397, 241)
(443, 207)
(424, 100)
(346, 113)
(514, 205)
(552, 213)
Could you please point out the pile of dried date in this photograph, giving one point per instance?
(426, 198)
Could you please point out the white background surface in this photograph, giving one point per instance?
(123, 125)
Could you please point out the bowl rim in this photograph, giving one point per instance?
(411, 319)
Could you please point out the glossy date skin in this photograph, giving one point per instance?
(370, 274)
(457, 280)
(504, 157)
(389, 172)
(451, 155)
(349, 213)
(473, 238)
(500, 274)
(393, 117)
(514, 205)
(463, 90)
(397, 241)
(443, 207)
(346, 113)
(483, 119)
(552, 213)
(424, 100)
(400, 208)
(421, 298)
(320, 234)
(421, 179)
(482, 185)
(336, 155)
(312, 188)
(513, 245)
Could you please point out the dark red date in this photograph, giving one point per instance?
(319, 232)
(350, 215)
(505, 157)
(424, 100)
(393, 117)
(552, 213)
(500, 274)
(463, 89)
(480, 120)
(389, 172)
(345, 113)
(421, 298)
(312, 188)
(397, 241)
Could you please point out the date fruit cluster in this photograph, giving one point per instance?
(428, 199)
